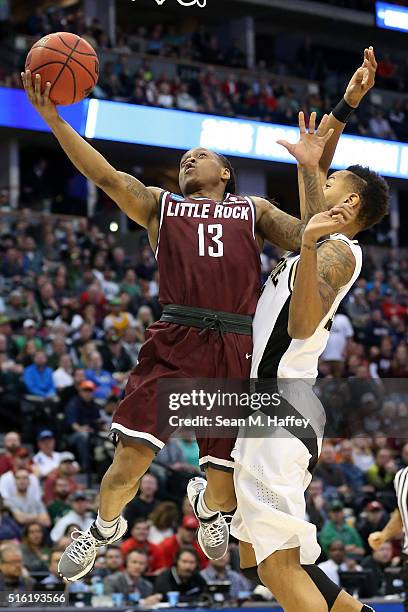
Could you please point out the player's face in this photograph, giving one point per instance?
(338, 188)
(200, 168)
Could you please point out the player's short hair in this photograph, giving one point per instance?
(374, 195)
(231, 185)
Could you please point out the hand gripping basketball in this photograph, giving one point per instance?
(40, 101)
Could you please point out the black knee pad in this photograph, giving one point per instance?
(252, 574)
(327, 588)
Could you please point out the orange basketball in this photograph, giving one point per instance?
(68, 62)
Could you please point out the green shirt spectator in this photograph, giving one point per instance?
(336, 528)
(381, 474)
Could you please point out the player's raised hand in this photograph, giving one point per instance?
(310, 146)
(330, 221)
(362, 80)
(40, 100)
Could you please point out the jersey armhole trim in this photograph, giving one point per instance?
(161, 214)
(253, 209)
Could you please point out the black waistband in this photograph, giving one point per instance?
(205, 318)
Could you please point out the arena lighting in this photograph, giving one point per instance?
(174, 129)
(117, 121)
(113, 226)
(391, 16)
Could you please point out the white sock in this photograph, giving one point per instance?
(106, 528)
(203, 510)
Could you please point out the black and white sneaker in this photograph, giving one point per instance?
(213, 533)
(79, 557)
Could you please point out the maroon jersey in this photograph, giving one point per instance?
(207, 253)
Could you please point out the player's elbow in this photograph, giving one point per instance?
(108, 181)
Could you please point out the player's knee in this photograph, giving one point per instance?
(130, 463)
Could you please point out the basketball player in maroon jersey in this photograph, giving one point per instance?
(207, 244)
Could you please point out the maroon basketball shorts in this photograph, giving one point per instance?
(177, 351)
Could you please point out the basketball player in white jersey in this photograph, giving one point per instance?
(291, 327)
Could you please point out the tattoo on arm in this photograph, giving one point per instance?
(136, 188)
(336, 265)
(281, 229)
(315, 201)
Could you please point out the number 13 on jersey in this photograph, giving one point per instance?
(215, 232)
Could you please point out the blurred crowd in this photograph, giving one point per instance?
(74, 308)
(215, 90)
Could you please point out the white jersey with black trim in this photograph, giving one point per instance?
(275, 353)
(401, 491)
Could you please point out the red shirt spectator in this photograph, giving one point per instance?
(67, 468)
(139, 540)
(12, 443)
(185, 536)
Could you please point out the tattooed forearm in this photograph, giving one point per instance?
(278, 227)
(315, 201)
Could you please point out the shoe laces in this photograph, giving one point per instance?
(214, 532)
(82, 547)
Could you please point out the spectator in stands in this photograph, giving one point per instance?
(328, 471)
(24, 508)
(35, 552)
(130, 580)
(66, 470)
(362, 454)
(336, 528)
(115, 359)
(381, 474)
(53, 577)
(184, 100)
(47, 458)
(145, 502)
(8, 483)
(376, 563)
(341, 333)
(336, 562)
(114, 561)
(12, 576)
(220, 571)
(9, 528)
(354, 477)
(139, 540)
(12, 444)
(375, 519)
(102, 379)
(79, 515)
(83, 419)
(164, 519)
(63, 375)
(57, 508)
(185, 536)
(380, 127)
(182, 576)
(117, 318)
(38, 377)
(316, 504)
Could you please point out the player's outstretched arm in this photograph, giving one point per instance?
(392, 529)
(137, 201)
(359, 85)
(321, 272)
